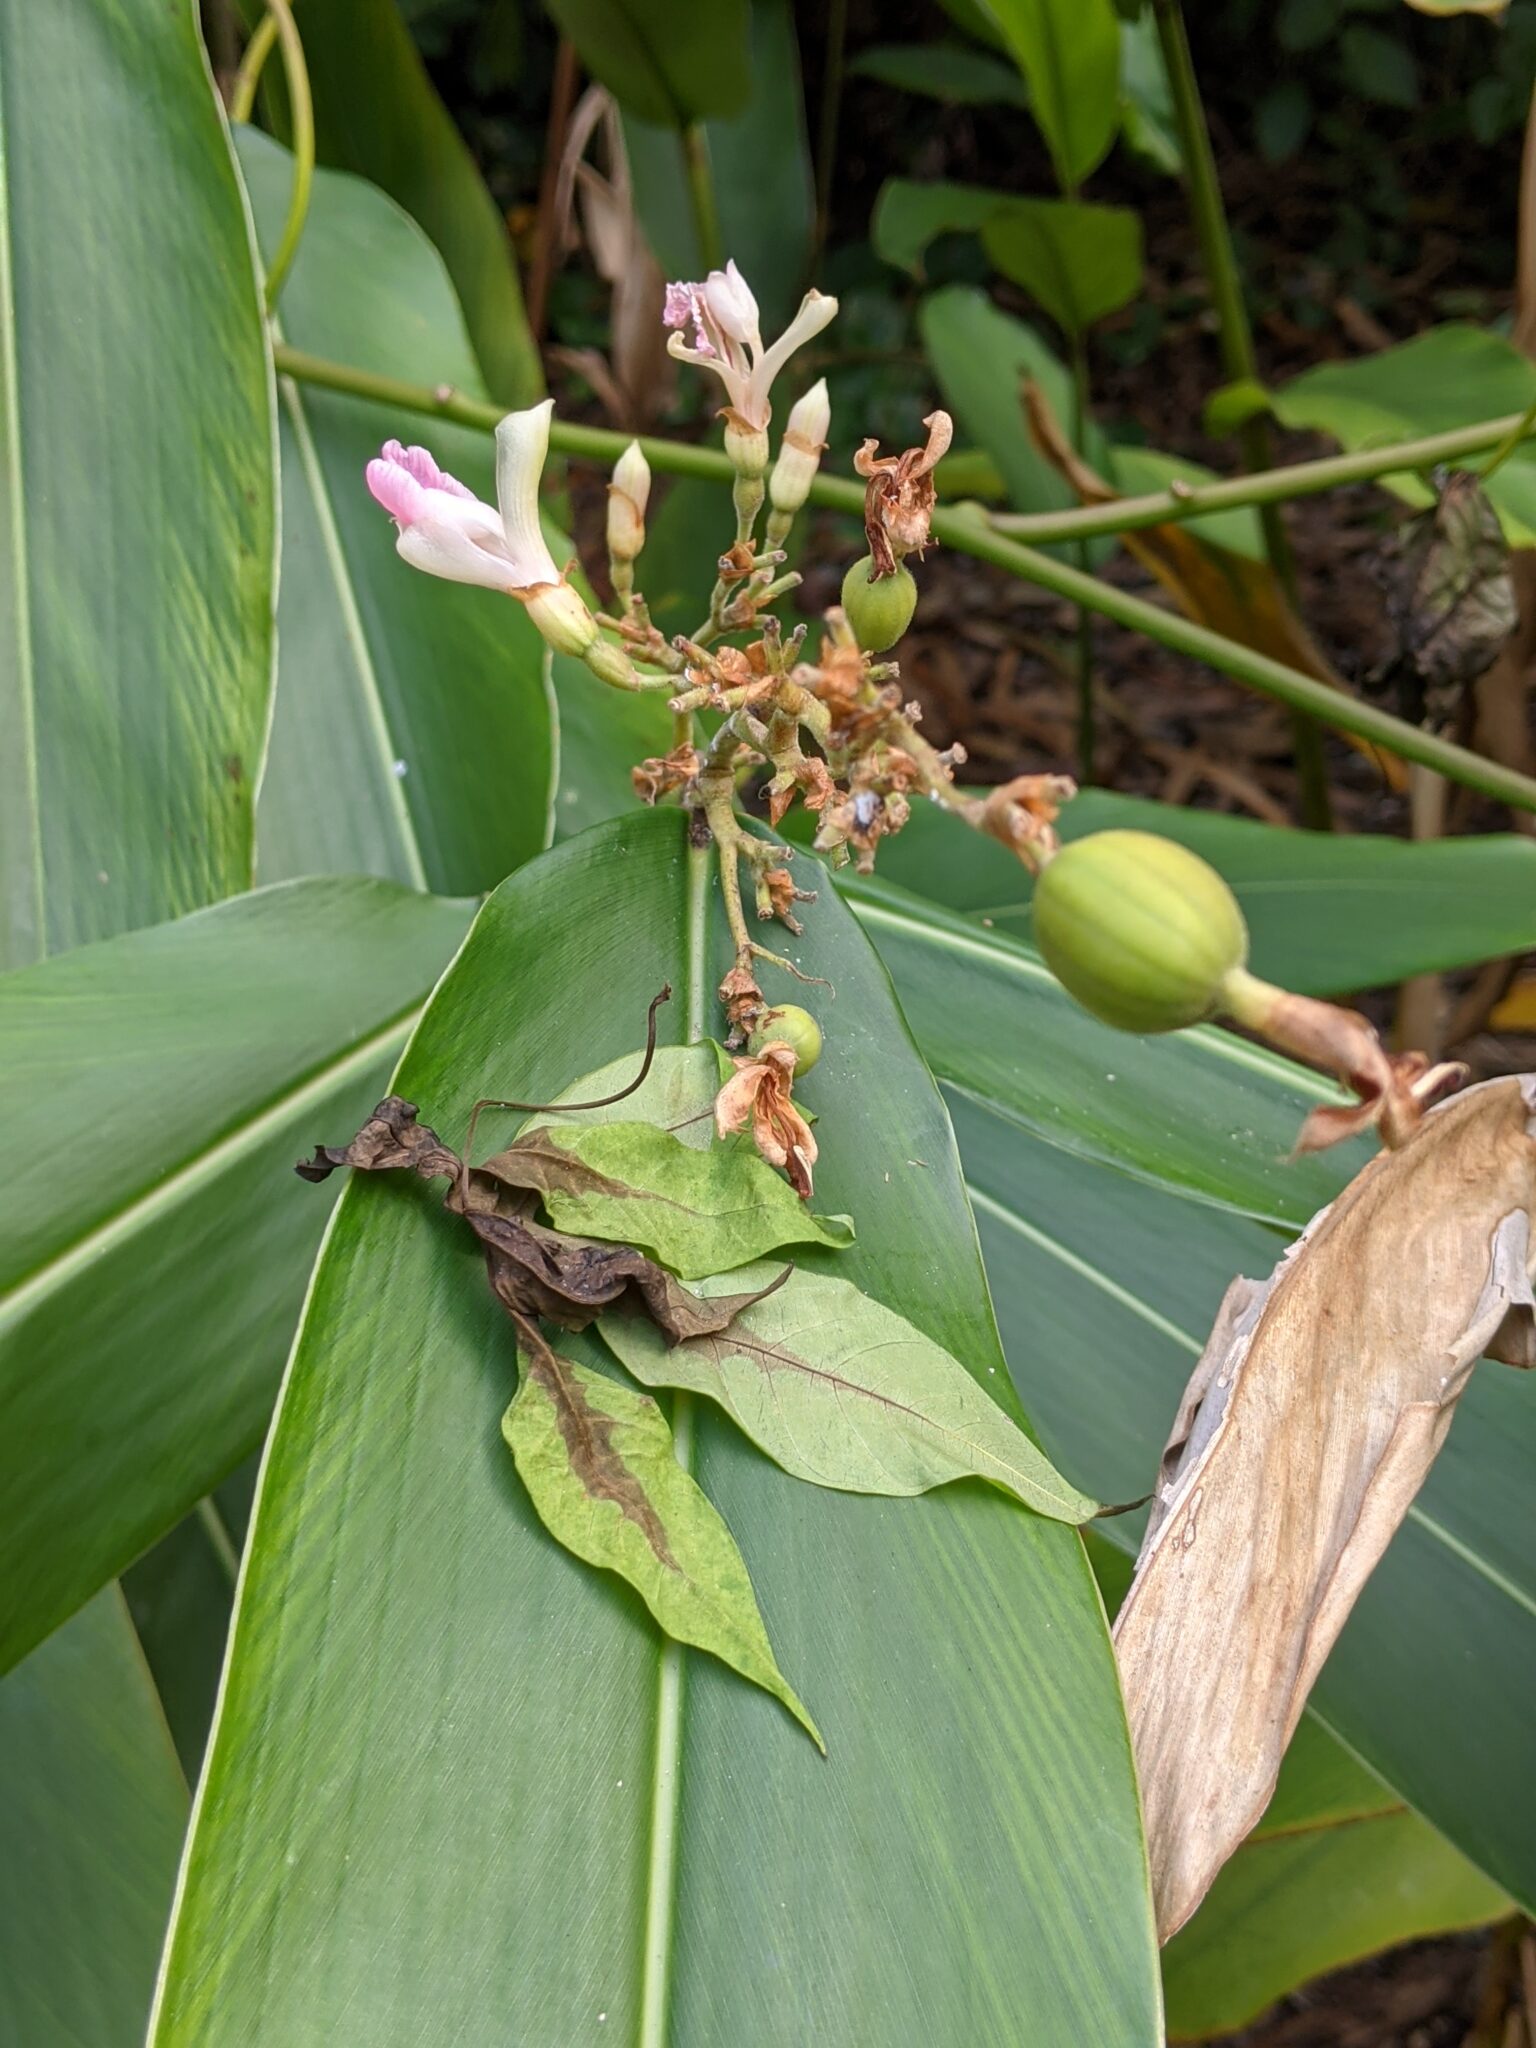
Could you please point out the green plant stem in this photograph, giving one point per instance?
(1087, 735)
(697, 170)
(974, 534)
(1235, 337)
(279, 26)
(1510, 442)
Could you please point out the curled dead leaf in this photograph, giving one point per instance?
(1309, 1425)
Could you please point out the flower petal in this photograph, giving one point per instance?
(732, 305)
(522, 443)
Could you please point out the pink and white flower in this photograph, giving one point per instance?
(727, 338)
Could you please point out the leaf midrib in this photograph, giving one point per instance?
(166, 1194)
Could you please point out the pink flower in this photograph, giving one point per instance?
(446, 530)
(727, 338)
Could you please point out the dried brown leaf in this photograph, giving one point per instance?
(1307, 1429)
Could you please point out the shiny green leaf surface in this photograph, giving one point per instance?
(378, 114)
(1326, 914)
(95, 1804)
(1105, 1291)
(421, 1680)
(413, 735)
(137, 506)
(599, 1465)
(157, 1088)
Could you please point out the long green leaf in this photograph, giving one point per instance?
(155, 1090)
(620, 1836)
(413, 734)
(179, 1596)
(1327, 914)
(136, 521)
(1069, 53)
(667, 61)
(95, 1804)
(1106, 1288)
(378, 114)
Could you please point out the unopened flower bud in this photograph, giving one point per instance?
(879, 611)
(800, 454)
(1140, 930)
(627, 498)
(610, 664)
(561, 617)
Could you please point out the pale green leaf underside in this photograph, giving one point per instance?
(846, 1393)
(699, 1212)
(656, 1526)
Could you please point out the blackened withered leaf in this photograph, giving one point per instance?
(1451, 598)
(598, 1461)
(533, 1271)
(700, 1212)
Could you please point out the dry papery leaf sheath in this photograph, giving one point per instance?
(1309, 1425)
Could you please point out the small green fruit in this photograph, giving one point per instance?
(789, 1025)
(879, 613)
(1142, 931)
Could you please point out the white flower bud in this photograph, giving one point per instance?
(561, 617)
(627, 497)
(800, 455)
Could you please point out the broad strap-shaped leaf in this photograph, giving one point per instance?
(1327, 913)
(95, 1805)
(420, 1679)
(597, 1460)
(378, 115)
(137, 505)
(699, 1212)
(842, 1391)
(1105, 1289)
(156, 1090)
(413, 733)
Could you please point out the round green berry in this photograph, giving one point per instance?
(879, 612)
(789, 1025)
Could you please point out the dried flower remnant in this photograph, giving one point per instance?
(898, 504)
(758, 1094)
(1023, 813)
(660, 774)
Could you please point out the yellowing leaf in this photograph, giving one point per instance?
(844, 1392)
(1311, 1421)
(597, 1461)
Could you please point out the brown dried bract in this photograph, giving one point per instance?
(777, 897)
(742, 1000)
(758, 1092)
(533, 1271)
(1023, 813)
(660, 773)
(898, 503)
(1395, 1089)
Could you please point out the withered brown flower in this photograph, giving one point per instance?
(758, 1092)
(898, 504)
(660, 773)
(1023, 813)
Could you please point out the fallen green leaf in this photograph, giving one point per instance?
(846, 1393)
(598, 1463)
(630, 1183)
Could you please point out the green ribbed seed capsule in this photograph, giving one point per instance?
(1139, 929)
(879, 613)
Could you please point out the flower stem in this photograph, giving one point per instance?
(974, 534)
(694, 140)
(279, 26)
(1087, 737)
(1235, 336)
